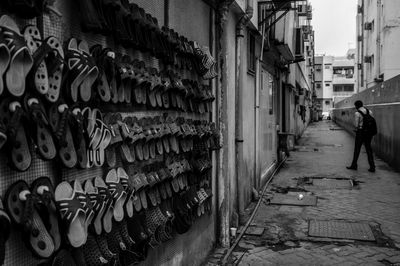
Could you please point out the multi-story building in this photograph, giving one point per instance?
(377, 75)
(378, 38)
(343, 80)
(334, 79)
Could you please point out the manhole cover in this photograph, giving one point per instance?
(340, 229)
(330, 183)
(296, 199)
(254, 231)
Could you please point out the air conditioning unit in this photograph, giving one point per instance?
(299, 42)
(359, 9)
(302, 10)
(359, 66)
(359, 38)
(368, 26)
(368, 59)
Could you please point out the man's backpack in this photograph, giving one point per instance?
(369, 124)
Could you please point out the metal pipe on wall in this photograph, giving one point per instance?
(240, 28)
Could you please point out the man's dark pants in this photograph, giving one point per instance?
(361, 139)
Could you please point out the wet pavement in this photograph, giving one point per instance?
(356, 220)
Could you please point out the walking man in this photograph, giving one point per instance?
(365, 128)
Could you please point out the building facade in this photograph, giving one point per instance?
(378, 36)
(334, 79)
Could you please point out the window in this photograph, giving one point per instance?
(318, 67)
(343, 88)
(327, 84)
(251, 56)
(318, 85)
(327, 66)
(327, 102)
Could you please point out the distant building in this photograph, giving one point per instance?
(334, 79)
(378, 38)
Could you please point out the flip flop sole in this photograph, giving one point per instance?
(34, 41)
(55, 78)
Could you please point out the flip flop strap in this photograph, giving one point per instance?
(38, 115)
(70, 209)
(116, 190)
(61, 132)
(97, 201)
(106, 197)
(14, 124)
(77, 120)
(40, 54)
(27, 214)
(53, 61)
(14, 41)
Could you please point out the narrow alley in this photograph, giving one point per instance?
(281, 233)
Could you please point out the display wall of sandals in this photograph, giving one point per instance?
(72, 103)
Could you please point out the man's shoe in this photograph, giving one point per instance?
(351, 167)
(372, 170)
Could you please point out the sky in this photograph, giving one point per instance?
(334, 22)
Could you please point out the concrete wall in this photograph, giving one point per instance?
(384, 101)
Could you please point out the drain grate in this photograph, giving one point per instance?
(333, 183)
(340, 230)
(290, 199)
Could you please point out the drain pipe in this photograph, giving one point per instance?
(240, 31)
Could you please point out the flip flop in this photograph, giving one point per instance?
(58, 117)
(76, 123)
(98, 204)
(118, 194)
(85, 88)
(38, 71)
(12, 115)
(5, 227)
(92, 253)
(105, 62)
(86, 204)
(21, 60)
(4, 59)
(72, 213)
(55, 67)
(77, 69)
(42, 131)
(106, 218)
(112, 121)
(20, 204)
(43, 189)
(124, 180)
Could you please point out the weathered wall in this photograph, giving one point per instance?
(384, 101)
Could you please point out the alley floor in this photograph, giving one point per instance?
(317, 169)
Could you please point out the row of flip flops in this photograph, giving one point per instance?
(84, 138)
(146, 138)
(28, 61)
(134, 28)
(120, 79)
(92, 212)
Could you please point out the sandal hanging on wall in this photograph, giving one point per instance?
(39, 51)
(43, 190)
(21, 60)
(5, 227)
(12, 116)
(20, 203)
(58, 116)
(72, 214)
(103, 82)
(39, 122)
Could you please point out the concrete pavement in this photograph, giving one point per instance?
(324, 151)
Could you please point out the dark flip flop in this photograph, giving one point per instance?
(43, 189)
(58, 116)
(20, 204)
(39, 122)
(12, 116)
(85, 88)
(105, 62)
(76, 123)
